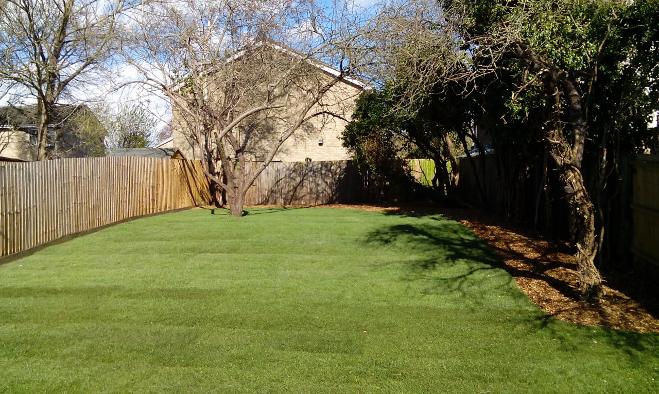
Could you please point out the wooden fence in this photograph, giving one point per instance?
(645, 209)
(635, 230)
(47, 200)
(312, 183)
(479, 177)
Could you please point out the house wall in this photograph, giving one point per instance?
(182, 137)
(305, 142)
(15, 145)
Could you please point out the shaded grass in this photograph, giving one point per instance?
(317, 300)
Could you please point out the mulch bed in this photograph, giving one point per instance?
(546, 271)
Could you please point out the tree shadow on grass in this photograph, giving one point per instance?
(508, 241)
(641, 349)
(447, 259)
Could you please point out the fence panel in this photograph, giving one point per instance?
(305, 183)
(645, 208)
(43, 201)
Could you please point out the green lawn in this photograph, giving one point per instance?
(313, 300)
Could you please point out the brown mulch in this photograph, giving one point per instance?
(546, 271)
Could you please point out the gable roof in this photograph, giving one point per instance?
(164, 142)
(4, 158)
(265, 42)
(327, 69)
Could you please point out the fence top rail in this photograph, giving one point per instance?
(92, 159)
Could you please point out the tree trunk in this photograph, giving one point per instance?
(581, 209)
(236, 186)
(235, 194)
(582, 214)
(236, 202)
(216, 193)
(43, 117)
(455, 172)
(541, 191)
(568, 158)
(440, 181)
(576, 118)
(568, 165)
(214, 187)
(481, 188)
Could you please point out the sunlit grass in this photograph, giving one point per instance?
(314, 300)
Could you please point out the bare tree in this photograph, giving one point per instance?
(47, 46)
(129, 126)
(238, 91)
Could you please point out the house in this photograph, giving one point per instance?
(74, 131)
(318, 140)
(158, 153)
(166, 143)
(16, 144)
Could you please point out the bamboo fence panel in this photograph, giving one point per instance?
(47, 200)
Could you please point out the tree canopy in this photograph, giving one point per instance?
(563, 90)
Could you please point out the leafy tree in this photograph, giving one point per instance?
(563, 88)
(381, 135)
(570, 67)
(88, 135)
(374, 137)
